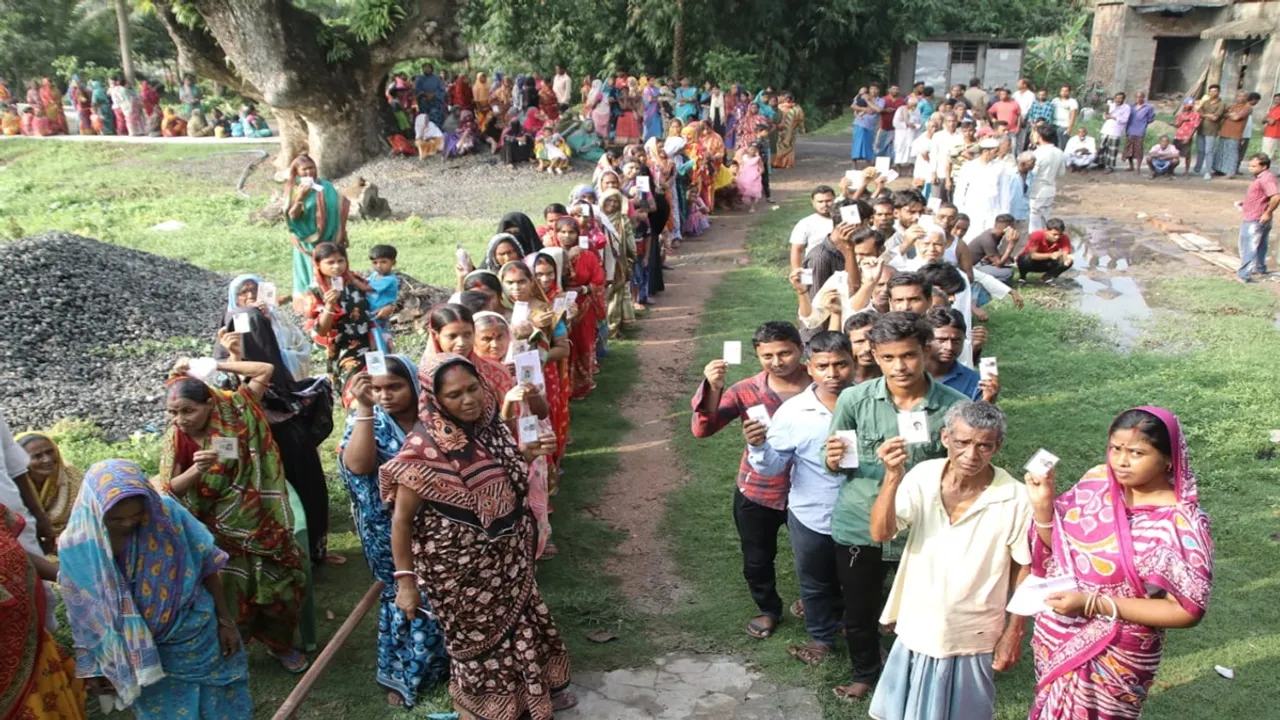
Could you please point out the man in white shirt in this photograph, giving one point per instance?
(1025, 97)
(1050, 166)
(1163, 158)
(813, 229)
(1081, 150)
(967, 547)
(562, 86)
(944, 141)
(1113, 133)
(980, 188)
(795, 440)
(1065, 110)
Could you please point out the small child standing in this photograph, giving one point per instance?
(750, 177)
(385, 286)
(337, 315)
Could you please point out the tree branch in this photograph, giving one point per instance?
(429, 29)
(200, 53)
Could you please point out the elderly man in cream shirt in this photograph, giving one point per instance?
(967, 525)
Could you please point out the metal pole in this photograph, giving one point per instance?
(294, 701)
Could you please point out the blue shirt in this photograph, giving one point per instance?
(926, 109)
(386, 289)
(432, 83)
(798, 435)
(869, 121)
(964, 380)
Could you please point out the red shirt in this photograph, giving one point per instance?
(769, 491)
(891, 105)
(1259, 192)
(1038, 242)
(1008, 111)
(1273, 130)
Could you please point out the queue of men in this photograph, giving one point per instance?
(893, 410)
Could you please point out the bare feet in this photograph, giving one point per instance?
(334, 559)
(394, 699)
(563, 700)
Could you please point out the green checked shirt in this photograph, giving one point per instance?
(867, 408)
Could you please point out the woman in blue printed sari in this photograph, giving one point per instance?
(139, 576)
(652, 113)
(411, 654)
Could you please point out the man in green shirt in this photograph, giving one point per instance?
(905, 397)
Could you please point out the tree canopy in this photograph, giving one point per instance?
(820, 49)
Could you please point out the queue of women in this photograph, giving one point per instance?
(450, 463)
(114, 106)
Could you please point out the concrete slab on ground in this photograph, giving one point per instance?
(689, 686)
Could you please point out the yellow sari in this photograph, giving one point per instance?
(60, 489)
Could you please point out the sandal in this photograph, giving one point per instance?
(811, 654)
(759, 630)
(563, 700)
(294, 662)
(797, 609)
(853, 692)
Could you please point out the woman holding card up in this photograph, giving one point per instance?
(411, 653)
(463, 535)
(544, 330)
(222, 464)
(1134, 538)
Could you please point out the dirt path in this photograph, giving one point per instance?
(636, 494)
(635, 499)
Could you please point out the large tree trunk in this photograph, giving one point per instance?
(126, 40)
(268, 50)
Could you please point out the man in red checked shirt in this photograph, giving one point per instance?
(760, 502)
(1260, 202)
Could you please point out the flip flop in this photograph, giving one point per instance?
(759, 631)
(797, 609)
(811, 654)
(563, 700)
(294, 662)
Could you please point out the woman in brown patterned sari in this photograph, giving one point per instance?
(463, 534)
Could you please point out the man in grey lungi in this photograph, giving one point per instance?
(967, 546)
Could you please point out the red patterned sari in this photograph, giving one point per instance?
(474, 542)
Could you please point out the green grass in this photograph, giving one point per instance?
(1063, 381)
(115, 193)
(841, 124)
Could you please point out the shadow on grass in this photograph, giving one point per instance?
(1064, 381)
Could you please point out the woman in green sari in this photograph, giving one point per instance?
(316, 213)
(221, 463)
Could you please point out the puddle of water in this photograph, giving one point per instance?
(1106, 245)
(1118, 302)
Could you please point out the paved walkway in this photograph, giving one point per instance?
(149, 140)
(682, 686)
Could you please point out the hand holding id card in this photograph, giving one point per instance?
(227, 448)
(913, 427)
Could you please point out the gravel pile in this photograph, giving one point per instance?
(467, 187)
(93, 329)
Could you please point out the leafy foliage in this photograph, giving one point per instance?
(819, 49)
(34, 33)
(1061, 58)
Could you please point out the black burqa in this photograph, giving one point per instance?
(657, 223)
(524, 231)
(301, 417)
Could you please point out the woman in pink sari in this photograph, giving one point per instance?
(1133, 535)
